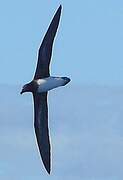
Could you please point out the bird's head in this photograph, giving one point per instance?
(27, 88)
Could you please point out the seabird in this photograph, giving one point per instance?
(39, 87)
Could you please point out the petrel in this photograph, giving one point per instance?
(39, 87)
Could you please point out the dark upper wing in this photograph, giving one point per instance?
(45, 50)
(41, 127)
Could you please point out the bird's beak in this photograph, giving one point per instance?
(22, 91)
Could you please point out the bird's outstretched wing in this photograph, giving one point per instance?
(45, 50)
(41, 127)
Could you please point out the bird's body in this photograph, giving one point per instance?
(39, 86)
(49, 83)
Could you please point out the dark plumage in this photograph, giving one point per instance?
(40, 98)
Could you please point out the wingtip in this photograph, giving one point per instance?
(60, 7)
(58, 12)
(47, 164)
(48, 169)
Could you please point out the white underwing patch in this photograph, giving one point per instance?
(49, 83)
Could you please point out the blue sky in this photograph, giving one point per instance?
(86, 116)
(86, 134)
(88, 47)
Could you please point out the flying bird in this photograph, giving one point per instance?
(40, 85)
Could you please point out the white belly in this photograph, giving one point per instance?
(49, 83)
